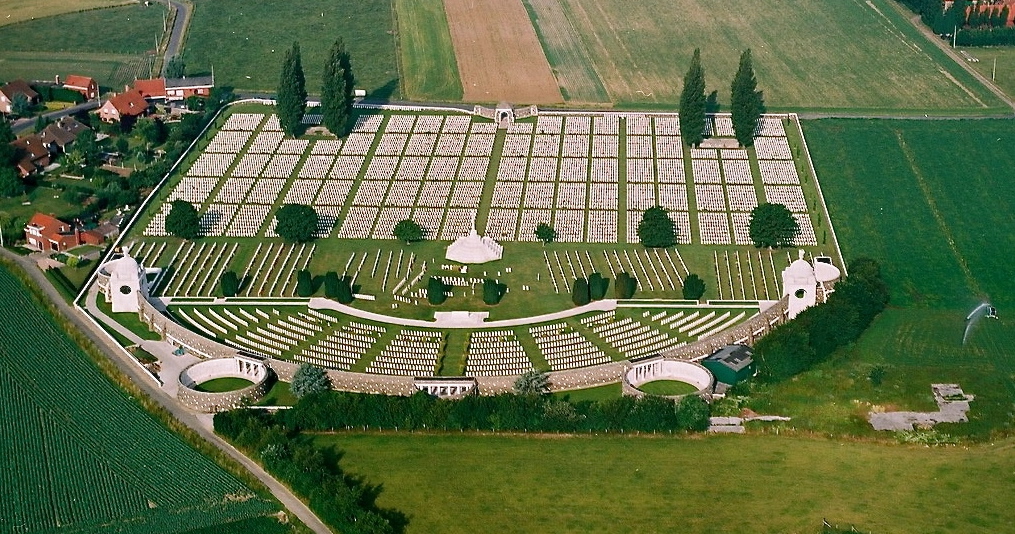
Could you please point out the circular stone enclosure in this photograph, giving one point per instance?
(203, 371)
(698, 377)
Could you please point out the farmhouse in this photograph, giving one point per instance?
(83, 84)
(45, 232)
(170, 89)
(11, 90)
(129, 103)
(33, 155)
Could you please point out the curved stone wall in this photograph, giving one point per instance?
(663, 369)
(246, 368)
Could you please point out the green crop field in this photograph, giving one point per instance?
(427, 57)
(927, 204)
(850, 55)
(245, 42)
(82, 455)
(14, 12)
(42, 49)
(714, 484)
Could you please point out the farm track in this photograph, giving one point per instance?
(144, 383)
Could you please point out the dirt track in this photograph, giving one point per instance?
(499, 56)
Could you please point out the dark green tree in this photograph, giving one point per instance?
(656, 229)
(175, 68)
(773, 226)
(296, 223)
(183, 220)
(7, 151)
(625, 286)
(292, 93)
(746, 102)
(344, 295)
(151, 130)
(21, 106)
(533, 383)
(580, 295)
(598, 286)
(308, 380)
(331, 283)
(10, 183)
(87, 148)
(545, 233)
(230, 283)
(493, 291)
(692, 102)
(408, 231)
(337, 90)
(694, 287)
(304, 283)
(436, 291)
(692, 413)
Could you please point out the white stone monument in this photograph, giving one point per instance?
(474, 248)
(800, 284)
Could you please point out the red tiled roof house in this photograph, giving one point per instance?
(82, 84)
(11, 90)
(33, 154)
(126, 104)
(45, 232)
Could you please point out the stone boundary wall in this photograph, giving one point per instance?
(664, 369)
(220, 402)
(745, 333)
(354, 382)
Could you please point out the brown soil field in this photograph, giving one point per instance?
(498, 54)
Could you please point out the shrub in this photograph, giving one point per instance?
(230, 283)
(656, 229)
(408, 231)
(331, 285)
(580, 292)
(625, 286)
(308, 380)
(493, 292)
(598, 286)
(345, 295)
(296, 223)
(533, 383)
(304, 284)
(435, 291)
(694, 287)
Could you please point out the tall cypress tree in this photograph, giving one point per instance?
(292, 92)
(692, 103)
(746, 102)
(336, 94)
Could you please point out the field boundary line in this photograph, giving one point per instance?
(817, 187)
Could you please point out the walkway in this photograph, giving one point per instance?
(328, 304)
(180, 23)
(197, 423)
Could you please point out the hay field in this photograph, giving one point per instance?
(498, 53)
(711, 484)
(851, 55)
(13, 12)
(245, 42)
(427, 58)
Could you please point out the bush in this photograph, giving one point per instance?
(772, 226)
(296, 223)
(183, 220)
(580, 292)
(694, 287)
(304, 284)
(230, 283)
(533, 383)
(493, 292)
(408, 231)
(331, 285)
(435, 291)
(10, 183)
(309, 380)
(656, 229)
(625, 286)
(598, 286)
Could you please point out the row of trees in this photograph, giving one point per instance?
(296, 223)
(506, 412)
(747, 103)
(336, 91)
(818, 331)
(972, 24)
(585, 290)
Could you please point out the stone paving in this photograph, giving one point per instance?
(953, 405)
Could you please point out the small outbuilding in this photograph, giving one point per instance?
(731, 364)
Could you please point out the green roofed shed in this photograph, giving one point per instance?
(731, 364)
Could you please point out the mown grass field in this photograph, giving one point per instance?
(1003, 72)
(927, 203)
(851, 55)
(426, 55)
(43, 48)
(82, 454)
(705, 485)
(246, 42)
(14, 12)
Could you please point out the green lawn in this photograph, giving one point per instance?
(705, 485)
(278, 395)
(667, 387)
(851, 55)
(16, 12)
(426, 55)
(1004, 69)
(245, 42)
(222, 385)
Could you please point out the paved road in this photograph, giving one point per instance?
(24, 124)
(197, 423)
(179, 31)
